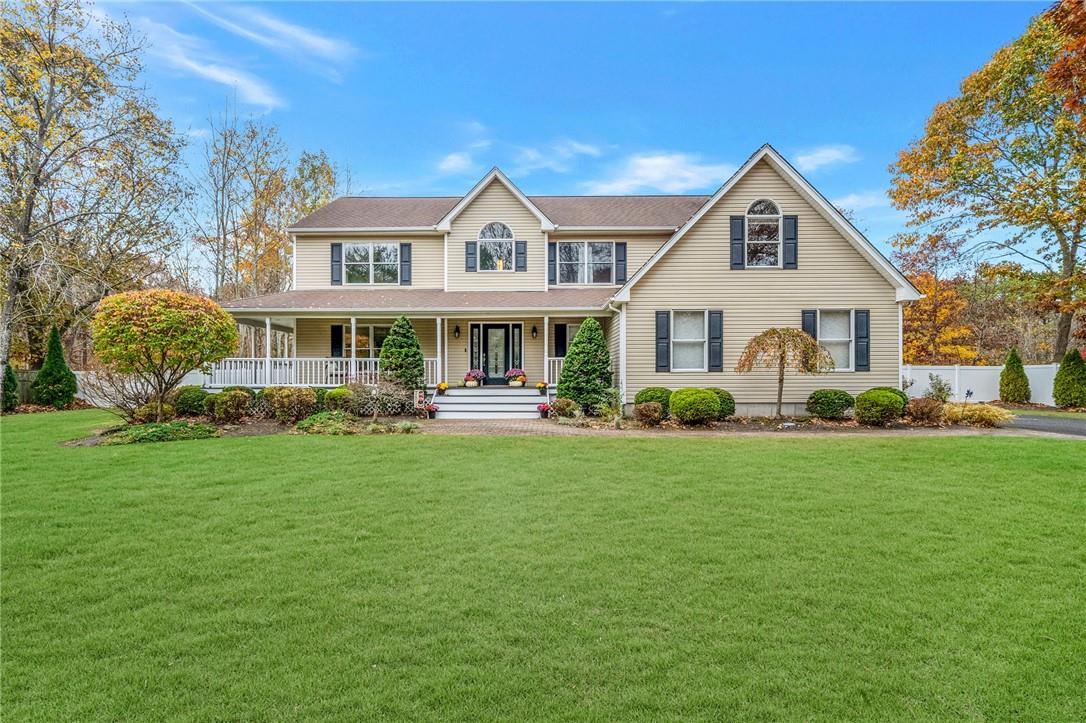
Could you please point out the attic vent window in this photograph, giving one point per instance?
(763, 234)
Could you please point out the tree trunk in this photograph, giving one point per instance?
(780, 382)
(1063, 335)
(7, 314)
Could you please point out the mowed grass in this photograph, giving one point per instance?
(431, 577)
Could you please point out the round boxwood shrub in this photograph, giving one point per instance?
(209, 404)
(189, 400)
(660, 395)
(291, 404)
(879, 407)
(231, 406)
(694, 406)
(895, 391)
(339, 399)
(649, 414)
(149, 413)
(238, 388)
(829, 403)
(727, 402)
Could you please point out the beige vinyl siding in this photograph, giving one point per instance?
(696, 274)
(497, 203)
(315, 335)
(638, 248)
(613, 328)
(314, 260)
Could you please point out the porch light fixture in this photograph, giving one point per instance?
(535, 332)
(456, 332)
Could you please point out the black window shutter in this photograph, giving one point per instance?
(620, 262)
(405, 264)
(810, 322)
(560, 340)
(791, 238)
(337, 340)
(520, 262)
(739, 260)
(337, 264)
(862, 322)
(469, 256)
(716, 341)
(552, 263)
(663, 341)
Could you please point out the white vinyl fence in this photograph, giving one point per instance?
(983, 382)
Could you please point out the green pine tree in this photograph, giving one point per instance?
(586, 372)
(401, 355)
(1069, 388)
(55, 384)
(11, 390)
(1013, 382)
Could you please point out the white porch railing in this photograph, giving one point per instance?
(554, 369)
(301, 371)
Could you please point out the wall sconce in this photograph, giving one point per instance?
(456, 332)
(535, 332)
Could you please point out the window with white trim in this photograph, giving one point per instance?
(367, 338)
(763, 244)
(835, 332)
(496, 247)
(689, 331)
(586, 262)
(371, 263)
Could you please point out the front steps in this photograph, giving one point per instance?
(489, 403)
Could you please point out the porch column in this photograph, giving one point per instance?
(437, 331)
(354, 364)
(267, 351)
(546, 349)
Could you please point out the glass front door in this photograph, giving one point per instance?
(495, 352)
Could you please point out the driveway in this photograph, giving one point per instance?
(1055, 425)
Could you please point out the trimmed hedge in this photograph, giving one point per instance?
(727, 402)
(694, 406)
(660, 395)
(189, 400)
(879, 406)
(339, 399)
(230, 406)
(893, 390)
(830, 403)
(290, 404)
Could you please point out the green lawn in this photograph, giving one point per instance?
(425, 577)
(1049, 413)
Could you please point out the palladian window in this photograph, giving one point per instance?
(496, 247)
(763, 234)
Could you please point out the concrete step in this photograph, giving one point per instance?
(442, 414)
(495, 406)
(491, 392)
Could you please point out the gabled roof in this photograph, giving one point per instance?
(495, 174)
(905, 290)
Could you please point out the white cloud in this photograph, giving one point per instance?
(667, 172)
(557, 156)
(455, 163)
(815, 158)
(862, 201)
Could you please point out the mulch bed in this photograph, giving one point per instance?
(39, 408)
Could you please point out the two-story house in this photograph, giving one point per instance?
(496, 279)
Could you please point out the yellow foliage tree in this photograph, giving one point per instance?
(934, 332)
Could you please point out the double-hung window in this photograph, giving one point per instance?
(496, 247)
(371, 263)
(763, 246)
(835, 332)
(367, 339)
(689, 330)
(586, 262)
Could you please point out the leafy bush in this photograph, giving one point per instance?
(977, 415)
(649, 414)
(339, 399)
(209, 404)
(1069, 387)
(694, 406)
(238, 388)
(231, 406)
(586, 371)
(830, 403)
(401, 356)
(895, 391)
(1013, 382)
(189, 400)
(405, 427)
(727, 402)
(610, 406)
(321, 393)
(334, 423)
(660, 395)
(150, 413)
(290, 404)
(925, 411)
(879, 407)
(10, 391)
(55, 384)
(938, 388)
(385, 398)
(563, 407)
(162, 432)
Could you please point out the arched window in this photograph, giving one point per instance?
(495, 247)
(763, 234)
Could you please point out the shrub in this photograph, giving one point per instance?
(238, 388)
(977, 415)
(649, 414)
(290, 404)
(385, 398)
(334, 423)
(610, 407)
(938, 388)
(895, 391)
(321, 393)
(586, 371)
(1069, 387)
(10, 391)
(925, 411)
(727, 402)
(401, 356)
(1013, 382)
(405, 427)
(209, 404)
(660, 395)
(339, 399)
(189, 400)
(694, 406)
(563, 407)
(162, 432)
(55, 384)
(150, 413)
(879, 406)
(231, 406)
(829, 403)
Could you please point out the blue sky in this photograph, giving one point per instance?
(421, 99)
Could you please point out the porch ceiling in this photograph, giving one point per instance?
(349, 301)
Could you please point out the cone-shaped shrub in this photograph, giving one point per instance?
(586, 372)
(55, 384)
(11, 390)
(401, 355)
(1069, 389)
(1013, 383)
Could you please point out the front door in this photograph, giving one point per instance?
(496, 357)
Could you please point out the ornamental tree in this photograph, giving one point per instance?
(1069, 387)
(401, 356)
(586, 371)
(1013, 382)
(161, 335)
(784, 348)
(55, 384)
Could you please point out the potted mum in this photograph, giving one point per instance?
(541, 387)
(544, 410)
(442, 388)
(516, 377)
(474, 378)
(430, 409)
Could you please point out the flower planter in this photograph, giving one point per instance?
(431, 415)
(516, 384)
(544, 415)
(543, 392)
(471, 384)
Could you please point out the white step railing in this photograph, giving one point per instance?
(431, 372)
(554, 369)
(301, 371)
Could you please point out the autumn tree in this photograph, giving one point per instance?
(784, 349)
(1068, 74)
(1003, 165)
